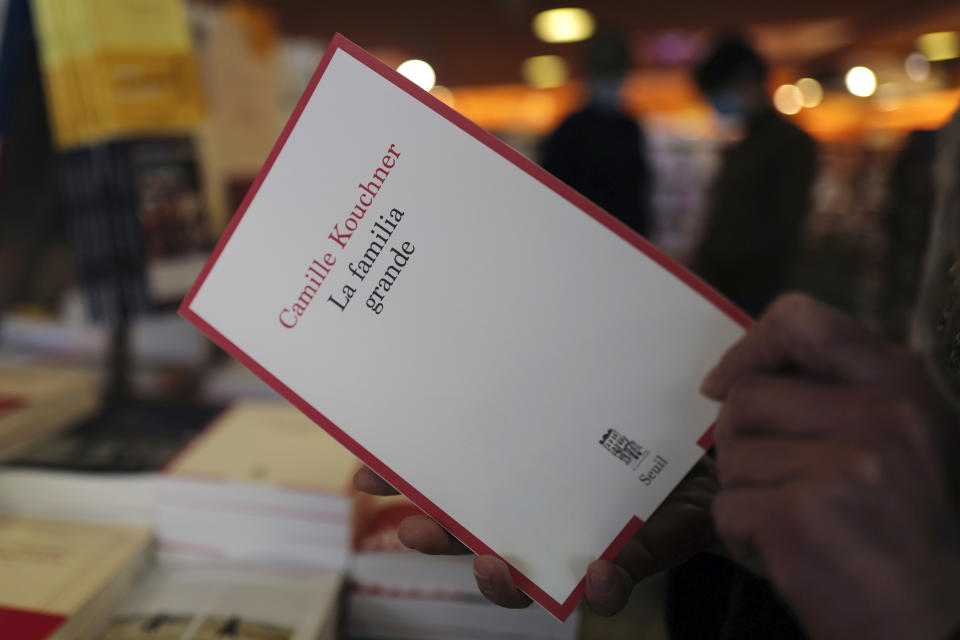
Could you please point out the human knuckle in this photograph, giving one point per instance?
(865, 467)
(803, 502)
(725, 516)
(782, 313)
(907, 423)
(725, 469)
(789, 305)
(742, 394)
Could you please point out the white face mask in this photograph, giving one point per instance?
(605, 92)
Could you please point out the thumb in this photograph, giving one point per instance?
(608, 587)
(800, 333)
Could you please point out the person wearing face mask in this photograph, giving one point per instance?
(599, 150)
(761, 194)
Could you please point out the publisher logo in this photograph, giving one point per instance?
(624, 449)
(633, 455)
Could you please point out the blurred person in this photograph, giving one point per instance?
(600, 149)
(761, 194)
(906, 226)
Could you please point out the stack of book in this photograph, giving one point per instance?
(59, 580)
(261, 482)
(248, 506)
(36, 401)
(190, 602)
(256, 482)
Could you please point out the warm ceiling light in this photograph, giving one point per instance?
(861, 81)
(811, 92)
(545, 72)
(419, 72)
(443, 94)
(917, 67)
(888, 97)
(788, 99)
(564, 25)
(942, 45)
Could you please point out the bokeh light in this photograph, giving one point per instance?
(545, 72)
(942, 45)
(564, 25)
(917, 67)
(861, 82)
(788, 99)
(888, 97)
(419, 72)
(811, 92)
(443, 94)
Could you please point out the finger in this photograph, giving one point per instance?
(367, 481)
(740, 517)
(764, 462)
(800, 333)
(705, 467)
(422, 534)
(496, 584)
(608, 587)
(788, 406)
(699, 485)
(769, 462)
(680, 528)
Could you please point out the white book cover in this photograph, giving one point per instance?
(513, 359)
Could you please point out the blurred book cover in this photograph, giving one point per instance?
(242, 603)
(38, 401)
(59, 579)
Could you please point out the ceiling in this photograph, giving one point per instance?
(479, 42)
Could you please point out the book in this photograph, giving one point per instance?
(256, 482)
(270, 443)
(60, 579)
(237, 51)
(395, 593)
(122, 440)
(117, 69)
(514, 360)
(189, 602)
(261, 482)
(401, 594)
(38, 400)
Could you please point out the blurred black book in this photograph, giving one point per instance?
(98, 193)
(34, 250)
(122, 440)
(134, 207)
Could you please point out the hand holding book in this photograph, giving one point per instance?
(680, 528)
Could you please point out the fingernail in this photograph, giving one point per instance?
(484, 581)
(712, 386)
(601, 582)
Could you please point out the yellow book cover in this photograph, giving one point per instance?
(51, 53)
(143, 66)
(269, 443)
(114, 69)
(37, 400)
(91, 116)
(58, 579)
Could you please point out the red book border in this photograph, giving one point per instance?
(25, 624)
(560, 610)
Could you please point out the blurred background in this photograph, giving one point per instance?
(131, 130)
